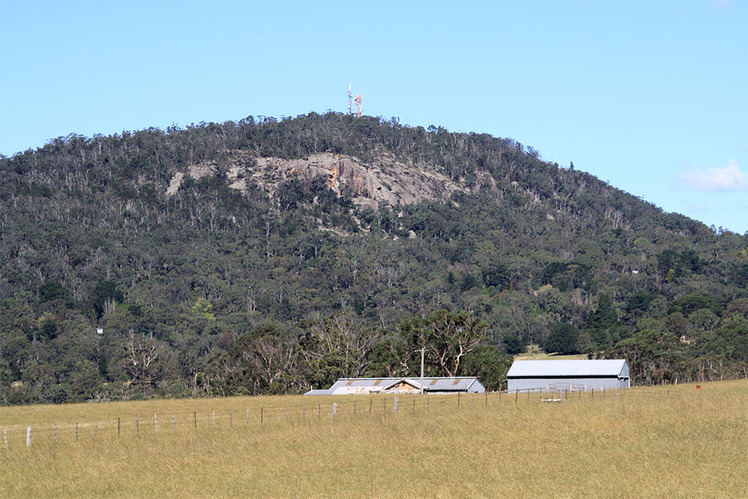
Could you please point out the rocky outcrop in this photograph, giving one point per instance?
(387, 181)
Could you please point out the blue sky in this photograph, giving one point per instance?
(651, 96)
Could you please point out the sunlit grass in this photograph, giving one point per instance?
(667, 442)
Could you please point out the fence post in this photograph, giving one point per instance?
(247, 417)
(303, 412)
(414, 403)
(486, 399)
(194, 417)
(5, 437)
(76, 431)
(155, 423)
(371, 401)
(319, 411)
(231, 419)
(118, 423)
(334, 410)
(137, 426)
(96, 430)
(395, 405)
(516, 395)
(28, 436)
(173, 424)
(214, 420)
(593, 393)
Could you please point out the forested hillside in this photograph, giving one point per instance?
(269, 256)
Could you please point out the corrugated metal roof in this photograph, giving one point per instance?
(560, 368)
(350, 386)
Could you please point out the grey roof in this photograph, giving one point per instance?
(568, 368)
(347, 386)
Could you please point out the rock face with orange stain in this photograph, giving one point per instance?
(385, 181)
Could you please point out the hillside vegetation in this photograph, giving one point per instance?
(271, 256)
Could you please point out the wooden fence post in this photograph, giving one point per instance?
(371, 401)
(247, 416)
(231, 419)
(395, 405)
(118, 426)
(28, 436)
(334, 410)
(319, 411)
(76, 431)
(54, 432)
(173, 424)
(5, 437)
(516, 395)
(155, 423)
(458, 400)
(194, 417)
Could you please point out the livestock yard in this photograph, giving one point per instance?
(667, 441)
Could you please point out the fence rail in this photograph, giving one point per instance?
(307, 412)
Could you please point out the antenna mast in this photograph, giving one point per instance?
(359, 100)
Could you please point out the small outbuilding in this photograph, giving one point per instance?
(572, 375)
(364, 386)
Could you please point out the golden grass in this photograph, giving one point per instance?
(534, 352)
(666, 442)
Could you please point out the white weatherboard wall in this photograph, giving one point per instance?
(573, 375)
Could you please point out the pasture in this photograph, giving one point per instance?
(669, 441)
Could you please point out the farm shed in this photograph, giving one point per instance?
(572, 375)
(363, 386)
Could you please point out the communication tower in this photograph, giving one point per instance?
(359, 100)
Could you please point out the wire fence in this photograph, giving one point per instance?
(316, 409)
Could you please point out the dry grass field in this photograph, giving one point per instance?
(671, 441)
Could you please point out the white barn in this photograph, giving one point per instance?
(572, 375)
(365, 386)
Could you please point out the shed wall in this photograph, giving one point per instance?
(574, 384)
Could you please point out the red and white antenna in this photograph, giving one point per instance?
(359, 100)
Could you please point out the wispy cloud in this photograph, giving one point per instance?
(729, 178)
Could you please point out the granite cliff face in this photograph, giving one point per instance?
(386, 181)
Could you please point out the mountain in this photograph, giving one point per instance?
(268, 256)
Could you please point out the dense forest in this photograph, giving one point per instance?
(271, 256)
